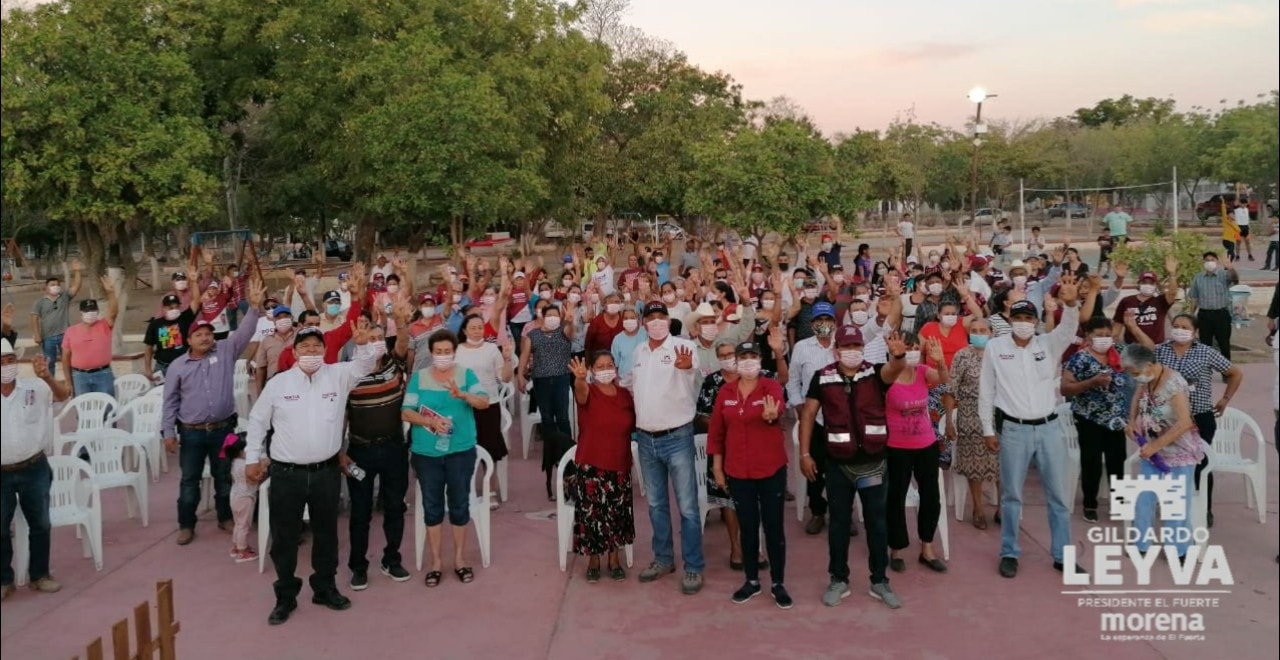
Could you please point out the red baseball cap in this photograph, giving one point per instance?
(848, 335)
(1148, 275)
(426, 298)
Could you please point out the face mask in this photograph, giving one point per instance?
(810, 293)
(567, 281)
(378, 347)
(606, 376)
(544, 293)
(180, 285)
(1023, 329)
(55, 290)
(669, 298)
(851, 358)
(913, 358)
(1181, 335)
(657, 260)
(1019, 280)
(839, 278)
(613, 308)
(784, 266)
(979, 341)
(630, 325)
(551, 322)
(827, 245)
(881, 271)
(332, 310)
(427, 312)
(487, 300)
(933, 259)
(709, 332)
(284, 325)
(824, 330)
(172, 314)
(859, 317)
(948, 320)
(1143, 379)
(9, 373)
(1102, 344)
(1210, 266)
(393, 288)
(799, 284)
(457, 297)
(310, 363)
(757, 277)
(749, 368)
(1147, 289)
(89, 317)
(934, 289)
(946, 265)
(442, 362)
(729, 365)
(595, 298)
(658, 328)
(233, 275)
(767, 304)
(575, 298)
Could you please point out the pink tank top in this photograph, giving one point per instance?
(907, 413)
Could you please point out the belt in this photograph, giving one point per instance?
(381, 440)
(327, 463)
(22, 465)
(208, 426)
(1030, 422)
(663, 432)
(91, 371)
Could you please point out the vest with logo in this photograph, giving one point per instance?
(854, 414)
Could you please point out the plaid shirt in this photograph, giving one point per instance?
(1211, 291)
(1197, 367)
(237, 289)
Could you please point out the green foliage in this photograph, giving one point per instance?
(1187, 247)
(1117, 112)
(1249, 138)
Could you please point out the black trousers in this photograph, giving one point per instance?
(901, 466)
(815, 490)
(1215, 326)
(842, 489)
(293, 490)
(389, 462)
(1207, 424)
(1098, 444)
(760, 501)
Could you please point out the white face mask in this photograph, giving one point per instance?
(859, 317)
(729, 365)
(180, 285)
(487, 300)
(1181, 335)
(749, 368)
(567, 281)
(1102, 344)
(838, 277)
(1147, 289)
(612, 308)
(799, 284)
(310, 363)
(378, 347)
(54, 290)
(89, 317)
(828, 245)
(457, 297)
(1020, 280)
(709, 332)
(913, 358)
(393, 288)
(851, 358)
(1210, 266)
(946, 265)
(1023, 329)
(669, 298)
(284, 325)
(630, 325)
(172, 314)
(933, 258)
(427, 312)
(948, 320)
(767, 304)
(811, 293)
(442, 362)
(935, 289)
(658, 328)
(606, 376)
(551, 322)
(9, 373)
(575, 298)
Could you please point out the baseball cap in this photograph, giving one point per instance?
(568, 258)
(1022, 308)
(271, 301)
(826, 237)
(198, 325)
(847, 335)
(179, 276)
(342, 277)
(426, 298)
(5, 347)
(331, 295)
(213, 284)
(839, 267)
(89, 305)
(757, 266)
(1148, 275)
(308, 332)
(299, 271)
(170, 300)
(823, 309)
(655, 307)
(747, 347)
(519, 275)
(978, 260)
(281, 310)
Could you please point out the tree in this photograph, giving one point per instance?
(913, 151)
(1116, 112)
(1248, 149)
(859, 174)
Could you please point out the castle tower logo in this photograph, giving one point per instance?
(1170, 491)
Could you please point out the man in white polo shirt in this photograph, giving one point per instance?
(1016, 404)
(664, 382)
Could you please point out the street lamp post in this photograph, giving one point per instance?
(976, 95)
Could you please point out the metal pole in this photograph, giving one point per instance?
(1175, 198)
(1022, 212)
(973, 175)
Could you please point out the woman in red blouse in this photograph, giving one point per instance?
(746, 443)
(603, 520)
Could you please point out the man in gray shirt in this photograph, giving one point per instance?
(52, 314)
(200, 407)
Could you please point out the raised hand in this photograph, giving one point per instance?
(402, 310)
(1131, 317)
(76, 266)
(934, 347)
(6, 315)
(1056, 254)
(257, 292)
(1171, 264)
(1068, 291)
(1050, 303)
(359, 333)
(108, 285)
(453, 389)
(578, 367)
(1120, 268)
(684, 358)
(895, 344)
(775, 339)
(772, 408)
(40, 364)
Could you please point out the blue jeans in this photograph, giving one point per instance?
(673, 455)
(29, 489)
(52, 348)
(194, 447)
(97, 381)
(234, 312)
(1046, 446)
(445, 479)
(552, 396)
(1145, 509)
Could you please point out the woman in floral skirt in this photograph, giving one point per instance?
(973, 459)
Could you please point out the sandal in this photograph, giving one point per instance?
(433, 579)
(980, 521)
(593, 575)
(465, 574)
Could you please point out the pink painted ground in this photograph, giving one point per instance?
(524, 607)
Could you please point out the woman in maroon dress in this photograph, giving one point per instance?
(603, 521)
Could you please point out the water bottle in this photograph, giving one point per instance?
(443, 438)
(356, 472)
(1156, 459)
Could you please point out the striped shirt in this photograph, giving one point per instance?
(1211, 291)
(1197, 367)
(999, 325)
(373, 407)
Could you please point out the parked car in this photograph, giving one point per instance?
(491, 239)
(819, 225)
(1213, 206)
(1076, 209)
(341, 250)
(989, 215)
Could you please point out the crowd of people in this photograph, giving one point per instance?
(884, 370)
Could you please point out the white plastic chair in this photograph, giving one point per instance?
(264, 523)
(527, 421)
(637, 473)
(1071, 476)
(959, 484)
(504, 487)
(913, 502)
(506, 394)
(1230, 455)
(73, 501)
(157, 392)
(130, 387)
(565, 511)
(479, 503)
(206, 488)
(240, 385)
(105, 448)
(1199, 505)
(700, 467)
(799, 485)
(143, 416)
(90, 412)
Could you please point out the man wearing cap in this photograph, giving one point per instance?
(849, 394)
(703, 326)
(979, 284)
(1150, 305)
(86, 346)
(381, 268)
(51, 315)
(200, 410)
(331, 315)
(830, 251)
(428, 321)
(212, 308)
(181, 288)
(1016, 406)
(664, 384)
(808, 356)
(266, 359)
(26, 433)
(336, 338)
(166, 337)
(305, 406)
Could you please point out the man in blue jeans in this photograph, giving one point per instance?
(664, 379)
(87, 346)
(52, 314)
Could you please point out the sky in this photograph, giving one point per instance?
(859, 64)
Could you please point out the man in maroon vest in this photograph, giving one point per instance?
(850, 393)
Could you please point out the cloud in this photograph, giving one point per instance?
(1236, 15)
(921, 53)
(1129, 4)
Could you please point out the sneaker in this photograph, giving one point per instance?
(235, 553)
(46, 585)
(691, 584)
(1091, 516)
(781, 597)
(186, 536)
(654, 571)
(883, 593)
(396, 572)
(748, 591)
(837, 591)
(246, 555)
(359, 580)
(815, 525)
(1008, 567)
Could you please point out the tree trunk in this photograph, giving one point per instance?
(365, 243)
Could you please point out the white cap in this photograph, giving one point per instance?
(5, 347)
(519, 275)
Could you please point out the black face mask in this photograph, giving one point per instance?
(784, 265)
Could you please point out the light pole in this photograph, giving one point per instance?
(976, 95)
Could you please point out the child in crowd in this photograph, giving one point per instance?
(1230, 236)
(1105, 243)
(1035, 244)
(244, 496)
